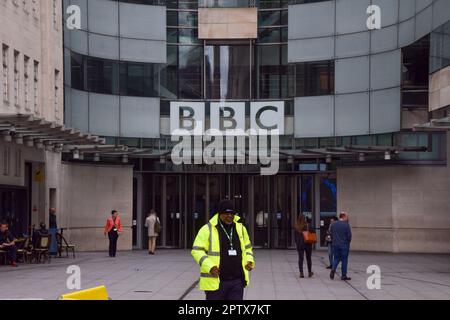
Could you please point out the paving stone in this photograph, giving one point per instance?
(170, 273)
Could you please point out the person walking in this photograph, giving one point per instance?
(224, 252)
(113, 229)
(303, 247)
(154, 227)
(341, 236)
(329, 242)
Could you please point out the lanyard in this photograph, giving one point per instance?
(230, 238)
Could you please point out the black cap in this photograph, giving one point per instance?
(226, 206)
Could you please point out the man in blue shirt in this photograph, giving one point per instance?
(341, 236)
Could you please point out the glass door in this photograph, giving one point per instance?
(282, 212)
(261, 211)
(173, 212)
(328, 204)
(196, 206)
(239, 193)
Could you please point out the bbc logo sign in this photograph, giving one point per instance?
(228, 118)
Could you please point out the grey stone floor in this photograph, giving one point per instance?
(170, 274)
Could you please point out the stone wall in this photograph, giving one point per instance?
(88, 194)
(397, 208)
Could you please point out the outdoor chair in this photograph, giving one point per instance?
(24, 250)
(63, 245)
(42, 247)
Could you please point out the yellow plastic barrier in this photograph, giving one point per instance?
(98, 293)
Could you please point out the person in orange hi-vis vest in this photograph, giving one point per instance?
(113, 229)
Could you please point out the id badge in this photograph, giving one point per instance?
(232, 252)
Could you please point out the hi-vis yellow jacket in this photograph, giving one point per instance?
(206, 252)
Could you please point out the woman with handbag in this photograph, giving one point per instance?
(304, 239)
(154, 228)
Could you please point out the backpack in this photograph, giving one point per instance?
(158, 226)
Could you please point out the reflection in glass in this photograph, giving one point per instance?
(102, 76)
(227, 71)
(440, 48)
(273, 76)
(190, 72)
(271, 35)
(168, 78)
(138, 80)
(314, 78)
(188, 36)
(187, 18)
(77, 71)
(269, 18)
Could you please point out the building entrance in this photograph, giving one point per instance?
(268, 205)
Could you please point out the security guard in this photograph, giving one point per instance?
(223, 250)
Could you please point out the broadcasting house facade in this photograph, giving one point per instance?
(365, 116)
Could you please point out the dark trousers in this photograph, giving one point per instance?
(113, 236)
(330, 253)
(228, 290)
(307, 248)
(11, 253)
(341, 255)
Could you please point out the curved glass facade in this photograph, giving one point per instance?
(344, 93)
(197, 69)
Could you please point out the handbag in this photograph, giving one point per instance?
(158, 226)
(309, 237)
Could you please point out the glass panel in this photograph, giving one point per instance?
(172, 4)
(172, 18)
(173, 214)
(315, 78)
(269, 18)
(415, 69)
(156, 203)
(272, 35)
(77, 72)
(187, 19)
(102, 76)
(190, 72)
(188, 36)
(261, 207)
(172, 35)
(269, 71)
(408, 140)
(196, 211)
(269, 4)
(226, 3)
(328, 205)
(239, 194)
(440, 48)
(187, 4)
(138, 79)
(306, 196)
(228, 72)
(284, 17)
(215, 194)
(169, 78)
(281, 218)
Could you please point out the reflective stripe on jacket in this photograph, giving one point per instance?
(206, 252)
